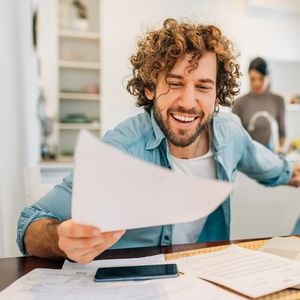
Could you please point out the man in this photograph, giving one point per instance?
(181, 74)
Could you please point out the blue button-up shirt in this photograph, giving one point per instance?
(141, 137)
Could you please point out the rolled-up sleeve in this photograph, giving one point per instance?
(263, 165)
(54, 205)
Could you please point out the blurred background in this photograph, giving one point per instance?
(63, 67)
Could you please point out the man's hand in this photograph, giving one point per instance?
(82, 243)
(295, 179)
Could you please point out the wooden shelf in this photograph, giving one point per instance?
(79, 65)
(79, 96)
(79, 34)
(79, 126)
(63, 159)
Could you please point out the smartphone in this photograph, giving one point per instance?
(136, 273)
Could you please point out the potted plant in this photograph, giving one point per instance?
(80, 21)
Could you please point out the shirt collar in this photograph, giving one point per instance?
(217, 137)
(157, 137)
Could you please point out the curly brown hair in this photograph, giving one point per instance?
(159, 50)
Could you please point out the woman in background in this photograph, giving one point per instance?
(262, 113)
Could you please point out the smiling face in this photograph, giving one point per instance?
(184, 100)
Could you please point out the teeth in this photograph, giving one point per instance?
(183, 118)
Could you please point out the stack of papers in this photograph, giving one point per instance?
(251, 273)
(49, 284)
(105, 263)
(77, 282)
(288, 247)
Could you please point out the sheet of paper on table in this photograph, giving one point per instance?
(288, 247)
(104, 263)
(49, 284)
(113, 190)
(249, 272)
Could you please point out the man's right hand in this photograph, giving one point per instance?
(82, 243)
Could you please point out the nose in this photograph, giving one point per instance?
(188, 97)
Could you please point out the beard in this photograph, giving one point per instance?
(182, 137)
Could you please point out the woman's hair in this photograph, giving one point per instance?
(260, 65)
(159, 50)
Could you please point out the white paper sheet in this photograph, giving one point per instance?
(104, 263)
(49, 284)
(288, 247)
(252, 273)
(112, 190)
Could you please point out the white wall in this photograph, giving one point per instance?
(19, 133)
(270, 34)
(48, 54)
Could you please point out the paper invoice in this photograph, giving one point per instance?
(249, 272)
(49, 284)
(122, 262)
(112, 190)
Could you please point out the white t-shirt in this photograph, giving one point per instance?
(202, 166)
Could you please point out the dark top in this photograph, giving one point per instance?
(246, 106)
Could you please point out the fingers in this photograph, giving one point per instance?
(72, 229)
(89, 242)
(82, 243)
(296, 170)
(87, 255)
(295, 181)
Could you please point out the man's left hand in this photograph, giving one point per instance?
(295, 179)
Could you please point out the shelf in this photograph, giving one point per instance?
(61, 161)
(79, 96)
(79, 65)
(58, 164)
(79, 34)
(74, 126)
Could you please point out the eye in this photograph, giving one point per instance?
(175, 85)
(203, 87)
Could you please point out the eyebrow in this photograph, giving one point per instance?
(202, 80)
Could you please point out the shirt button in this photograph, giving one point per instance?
(167, 237)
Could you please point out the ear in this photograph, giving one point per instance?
(149, 94)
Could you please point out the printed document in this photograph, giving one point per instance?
(49, 284)
(249, 272)
(112, 190)
(288, 247)
(123, 262)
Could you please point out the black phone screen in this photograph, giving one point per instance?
(136, 272)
